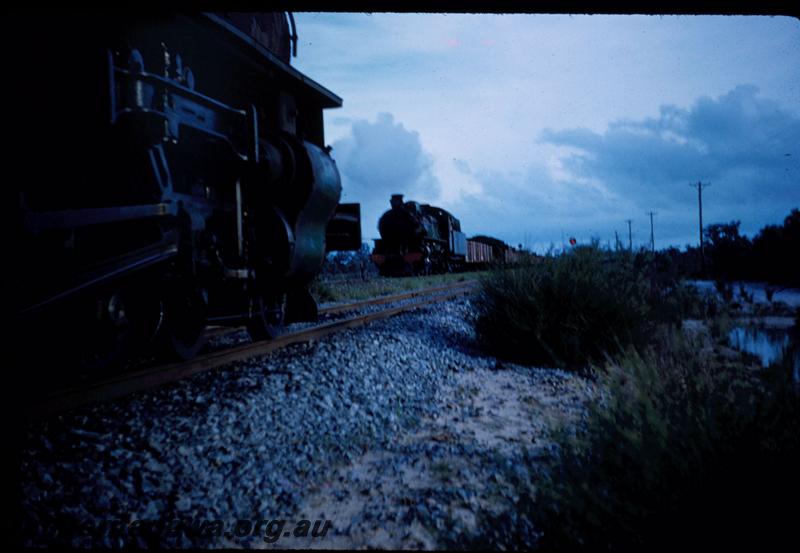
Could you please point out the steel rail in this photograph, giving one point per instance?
(343, 307)
(129, 382)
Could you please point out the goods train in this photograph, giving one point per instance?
(170, 172)
(423, 239)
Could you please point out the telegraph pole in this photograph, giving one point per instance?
(652, 238)
(700, 187)
(630, 235)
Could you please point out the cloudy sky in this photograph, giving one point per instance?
(536, 128)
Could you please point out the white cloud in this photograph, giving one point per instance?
(382, 158)
(482, 89)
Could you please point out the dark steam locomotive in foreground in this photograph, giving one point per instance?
(423, 239)
(171, 172)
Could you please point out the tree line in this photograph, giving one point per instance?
(771, 256)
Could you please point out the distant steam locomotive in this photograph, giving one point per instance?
(423, 239)
(171, 172)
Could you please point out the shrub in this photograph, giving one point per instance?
(679, 453)
(571, 309)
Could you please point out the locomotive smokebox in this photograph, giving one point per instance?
(398, 227)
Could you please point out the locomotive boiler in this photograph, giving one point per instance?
(171, 172)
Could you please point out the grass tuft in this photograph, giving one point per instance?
(574, 309)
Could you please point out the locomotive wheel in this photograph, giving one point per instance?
(110, 328)
(108, 338)
(183, 329)
(268, 317)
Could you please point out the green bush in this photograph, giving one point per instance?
(572, 309)
(679, 453)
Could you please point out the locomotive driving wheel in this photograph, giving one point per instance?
(122, 318)
(105, 340)
(266, 322)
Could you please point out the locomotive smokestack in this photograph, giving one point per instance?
(397, 201)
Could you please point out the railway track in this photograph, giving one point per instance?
(128, 382)
(215, 332)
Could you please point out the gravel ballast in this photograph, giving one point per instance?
(406, 408)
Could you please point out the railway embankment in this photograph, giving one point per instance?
(393, 432)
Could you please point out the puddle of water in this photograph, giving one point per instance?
(769, 345)
(758, 291)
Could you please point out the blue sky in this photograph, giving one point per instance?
(533, 127)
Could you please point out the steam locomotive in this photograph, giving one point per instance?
(423, 239)
(172, 172)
